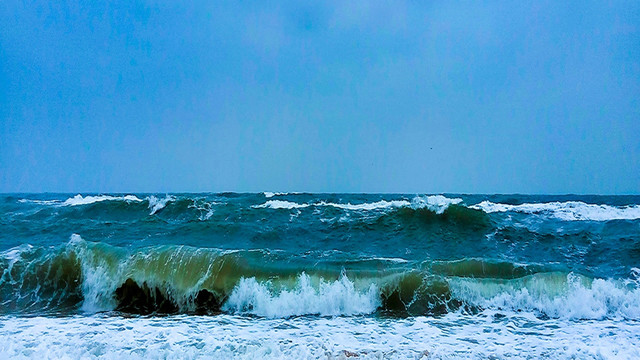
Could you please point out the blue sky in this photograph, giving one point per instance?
(336, 96)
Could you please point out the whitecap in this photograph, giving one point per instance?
(382, 204)
(567, 211)
(270, 194)
(156, 204)
(280, 204)
(86, 200)
(436, 203)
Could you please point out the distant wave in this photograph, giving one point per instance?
(156, 204)
(40, 202)
(83, 200)
(435, 203)
(269, 194)
(568, 211)
(205, 208)
(86, 200)
(280, 204)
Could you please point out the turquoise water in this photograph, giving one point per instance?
(272, 275)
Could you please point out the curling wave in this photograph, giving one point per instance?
(90, 277)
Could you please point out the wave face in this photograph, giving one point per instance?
(88, 277)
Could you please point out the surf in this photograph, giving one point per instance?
(88, 277)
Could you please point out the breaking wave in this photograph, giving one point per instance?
(327, 298)
(269, 194)
(83, 200)
(86, 200)
(567, 211)
(156, 204)
(92, 277)
(435, 203)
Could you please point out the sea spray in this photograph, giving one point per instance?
(332, 298)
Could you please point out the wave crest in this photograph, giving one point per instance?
(86, 200)
(567, 211)
(435, 203)
(177, 279)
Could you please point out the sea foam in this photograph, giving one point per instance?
(86, 200)
(554, 295)
(156, 204)
(280, 204)
(454, 336)
(328, 298)
(435, 203)
(270, 194)
(568, 211)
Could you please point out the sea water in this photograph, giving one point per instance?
(319, 276)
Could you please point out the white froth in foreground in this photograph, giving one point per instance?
(453, 336)
(568, 211)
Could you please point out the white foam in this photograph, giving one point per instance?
(269, 194)
(382, 204)
(14, 254)
(568, 211)
(156, 204)
(436, 203)
(280, 204)
(555, 295)
(206, 208)
(327, 298)
(393, 260)
(453, 336)
(86, 200)
(40, 202)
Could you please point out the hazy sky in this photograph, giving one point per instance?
(342, 96)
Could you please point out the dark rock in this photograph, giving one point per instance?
(135, 299)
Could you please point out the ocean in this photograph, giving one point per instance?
(319, 276)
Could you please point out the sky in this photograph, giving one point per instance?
(332, 96)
